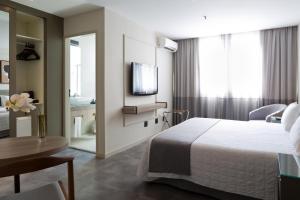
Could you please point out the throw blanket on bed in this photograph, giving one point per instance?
(171, 150)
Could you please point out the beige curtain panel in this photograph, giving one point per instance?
(279, 76)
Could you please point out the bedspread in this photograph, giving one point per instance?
(234, 156)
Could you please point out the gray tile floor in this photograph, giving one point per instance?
(85, 142)
(110, 179)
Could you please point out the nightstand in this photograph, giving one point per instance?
(275, 119)
(289, 177)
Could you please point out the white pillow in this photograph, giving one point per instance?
(290, 115)
(295, 134)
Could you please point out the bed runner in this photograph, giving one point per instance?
(170, 150)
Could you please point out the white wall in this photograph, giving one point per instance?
(111, 92)
(165, 79)
(91, 22)
(118, 136)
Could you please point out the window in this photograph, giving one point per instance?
(75, 70)
(231, 66)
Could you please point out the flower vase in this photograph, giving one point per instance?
(23, 126)
(42, 126)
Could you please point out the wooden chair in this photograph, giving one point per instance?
(51, 191)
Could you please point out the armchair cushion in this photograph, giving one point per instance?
(47, 192)
(266, 112)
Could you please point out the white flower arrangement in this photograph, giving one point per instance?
(20, 102)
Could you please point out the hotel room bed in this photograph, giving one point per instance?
(232, 156)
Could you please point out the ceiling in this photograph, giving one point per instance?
(184, 18)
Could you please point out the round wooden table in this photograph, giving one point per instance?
(22, 148)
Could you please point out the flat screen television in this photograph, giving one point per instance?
(144, 79)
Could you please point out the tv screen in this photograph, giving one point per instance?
(144, 79)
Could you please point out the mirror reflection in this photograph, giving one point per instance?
(4, 73)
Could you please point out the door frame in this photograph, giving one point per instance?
(66, 87)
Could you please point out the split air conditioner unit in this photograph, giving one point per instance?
(167, 44)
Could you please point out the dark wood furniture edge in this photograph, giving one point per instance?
(288, 185)
(36, 164)
(35, 156)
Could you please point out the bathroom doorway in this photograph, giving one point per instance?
(80, 89)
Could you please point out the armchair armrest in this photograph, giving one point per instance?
(265, 112)
(274, 114)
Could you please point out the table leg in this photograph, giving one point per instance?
(17, 183)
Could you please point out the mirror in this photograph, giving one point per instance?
(4, 73)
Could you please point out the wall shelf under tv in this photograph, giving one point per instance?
(138, 109)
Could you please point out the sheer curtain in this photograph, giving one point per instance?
(230, 75)
(231, 66)
(227, 76)
(75, 70)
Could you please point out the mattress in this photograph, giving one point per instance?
(236, 157)
(4, 121)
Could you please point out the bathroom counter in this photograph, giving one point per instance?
(82, 119)
(83, 107)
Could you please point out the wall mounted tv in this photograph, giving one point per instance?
(144, 79)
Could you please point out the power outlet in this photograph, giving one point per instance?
(145, 123)
(156, 120)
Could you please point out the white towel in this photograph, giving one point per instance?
(77, 126)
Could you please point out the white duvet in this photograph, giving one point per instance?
(236, 157)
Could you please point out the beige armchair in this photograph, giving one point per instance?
(266, 112)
